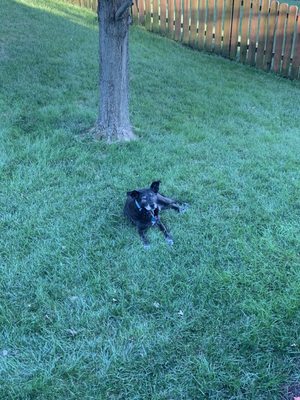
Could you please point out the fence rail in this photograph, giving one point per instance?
(261, 33)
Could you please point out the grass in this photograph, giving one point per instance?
(290, 2)
(85, 311)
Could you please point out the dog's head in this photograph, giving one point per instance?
(146, 198)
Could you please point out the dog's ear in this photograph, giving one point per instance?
(134, 194)
(155, 186)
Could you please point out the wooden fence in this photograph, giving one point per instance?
(260, 33)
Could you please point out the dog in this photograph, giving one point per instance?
(142, 208)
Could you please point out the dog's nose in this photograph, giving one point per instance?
(152, 206)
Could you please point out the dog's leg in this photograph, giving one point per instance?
(166, 202)
(145, 241)
(164, 230)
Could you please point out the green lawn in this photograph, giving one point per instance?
(291, 2)
(85, 311)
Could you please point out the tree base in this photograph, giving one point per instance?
(112, 135)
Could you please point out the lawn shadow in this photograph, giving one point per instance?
(44, 72)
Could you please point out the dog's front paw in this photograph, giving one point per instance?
(183, 208)
(170, 241)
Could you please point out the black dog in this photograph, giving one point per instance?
(142, 208)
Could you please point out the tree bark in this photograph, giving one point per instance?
(113, 121)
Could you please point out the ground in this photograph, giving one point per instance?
(85, 311)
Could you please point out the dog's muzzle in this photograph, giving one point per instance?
(154, 218)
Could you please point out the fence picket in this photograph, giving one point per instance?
(186, 21)
(262, 33)
(283, 10)
(163, 12)
(227, 27)
(135, 13)
(270, 35)
(218, 28)
(155, 23)
(245, 30)
(296, 57)
(141, 12)
(148, 22)
(171, 19)
(209, 25)
(201, 30)
(194, 21)
(289, 40)
(253, 33)
(235, 28)
(177, 20)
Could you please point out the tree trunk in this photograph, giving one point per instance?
(114, 20)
